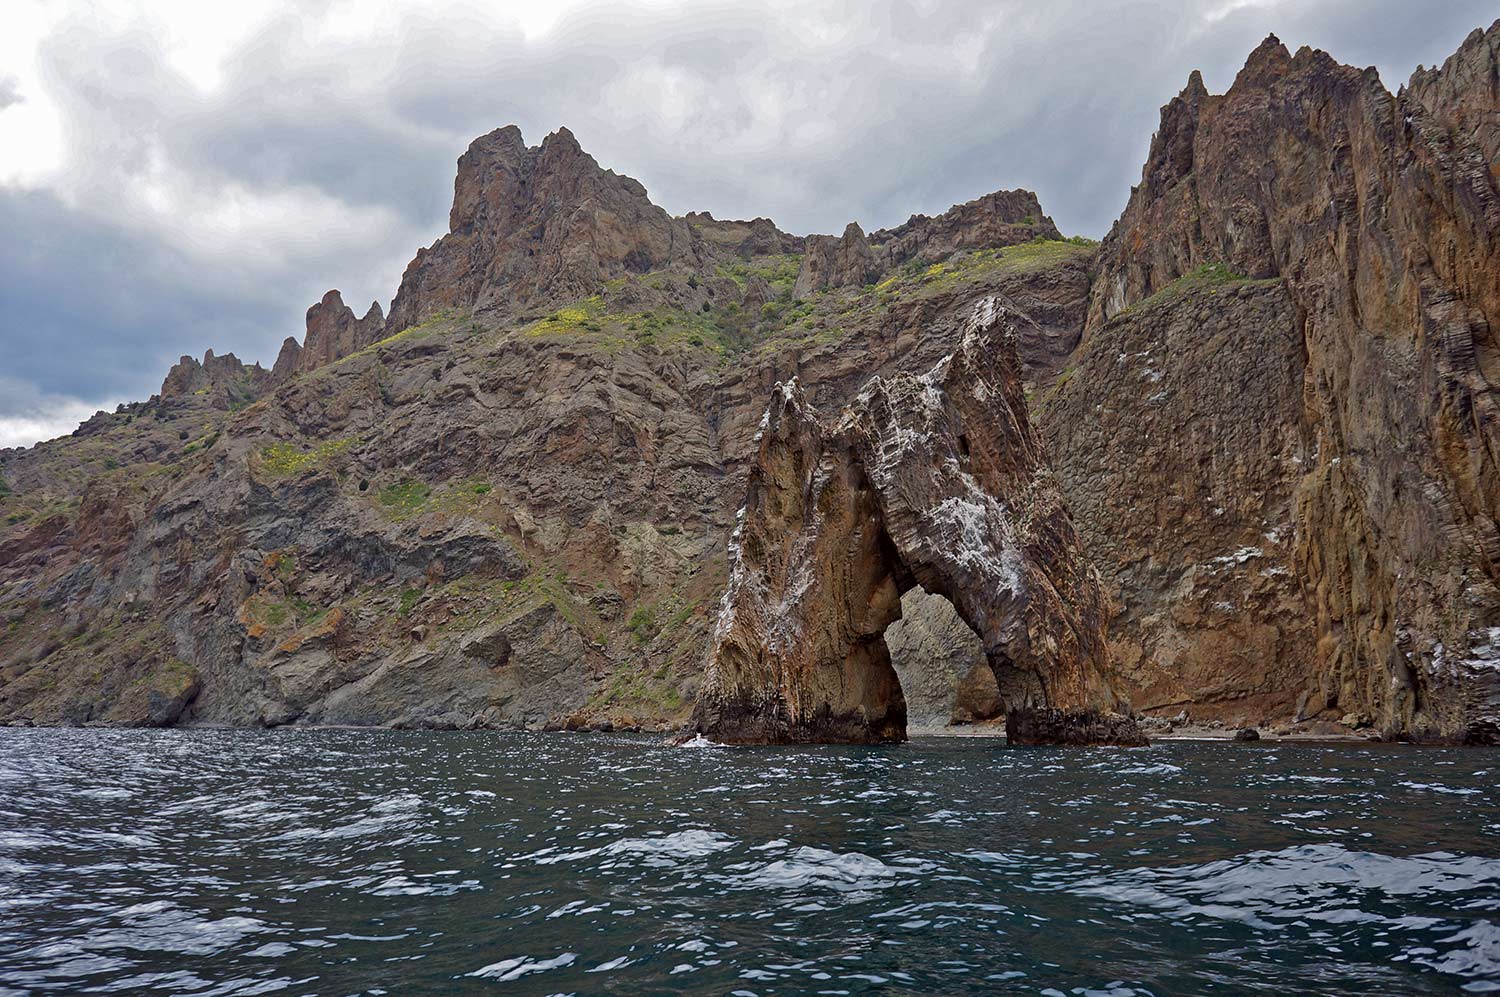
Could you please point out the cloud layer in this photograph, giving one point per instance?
(177, 177)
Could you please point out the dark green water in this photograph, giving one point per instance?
(344, 862)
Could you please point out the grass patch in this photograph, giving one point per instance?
(642, 624)
(429, 325)
(664, 328)
(1208, 277)
(284, 460)
(778, 271)
(406, 498)
(653, 692)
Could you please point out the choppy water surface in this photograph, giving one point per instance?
(342, 862)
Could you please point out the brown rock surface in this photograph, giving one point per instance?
(745, 239)
(1045, 726)
(512, 508)
(1378, 220)
(842, 262)
(1002, 218)
(223, 381)
(934, 480)
(945, 677)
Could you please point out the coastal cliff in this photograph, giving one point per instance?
(1265, 400)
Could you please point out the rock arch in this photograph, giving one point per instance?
(935, 481)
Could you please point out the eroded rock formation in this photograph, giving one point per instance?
(1047, 726)
(842, 262)
(932, 480)
(1275, 438)
(1001, 218)
(945, 676)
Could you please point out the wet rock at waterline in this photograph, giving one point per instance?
(1061, 727)
(935, 481)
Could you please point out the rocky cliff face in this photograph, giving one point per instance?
(1003, 218)
(934, 481)
(1293, 327)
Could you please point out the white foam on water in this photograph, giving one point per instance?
(513, 969)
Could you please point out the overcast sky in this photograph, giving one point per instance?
(176, 176)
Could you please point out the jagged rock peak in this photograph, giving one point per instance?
(836, 262)
(998, 219)
(222, 379)
(1268, 62)
(933, 480)
(746, 239)
(1463, 91)
(1194, 89)
(539, 223)
(333, 333)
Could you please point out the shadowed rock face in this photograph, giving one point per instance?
(1046, 726)
(934, 481)
(940, 660)
(1294, 328)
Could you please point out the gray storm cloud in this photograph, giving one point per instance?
(185, 218)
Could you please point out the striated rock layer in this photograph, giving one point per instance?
(1293, 338)
(935, 481)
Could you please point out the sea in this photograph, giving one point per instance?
(341, 862)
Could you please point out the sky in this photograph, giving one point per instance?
(179, 176)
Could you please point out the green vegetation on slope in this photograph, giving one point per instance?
(1209, 278)
(283, 459)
